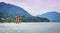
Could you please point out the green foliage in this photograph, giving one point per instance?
(9, 19)
(25, 19)
(34, 19)
(6, 20)
(1, 20)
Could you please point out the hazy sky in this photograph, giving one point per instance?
(36, 7)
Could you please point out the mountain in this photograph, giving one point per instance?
(52, 16)
(35, 19)
(9, 10)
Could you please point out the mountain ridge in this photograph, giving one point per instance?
(12, 9)
(9, 11)
(52, 16)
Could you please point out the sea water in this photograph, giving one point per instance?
(30, 27)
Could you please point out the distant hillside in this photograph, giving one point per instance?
(8, 10)
(52, 16)
(35, 19)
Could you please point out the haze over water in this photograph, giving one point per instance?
(30, 28)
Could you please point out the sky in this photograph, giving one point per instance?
(36, 7)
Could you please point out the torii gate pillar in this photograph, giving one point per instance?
(17, 20)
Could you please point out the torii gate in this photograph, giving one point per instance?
(17, 20)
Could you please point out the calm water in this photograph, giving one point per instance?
(30, 28)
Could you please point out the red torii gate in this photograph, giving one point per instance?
(17, 20)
